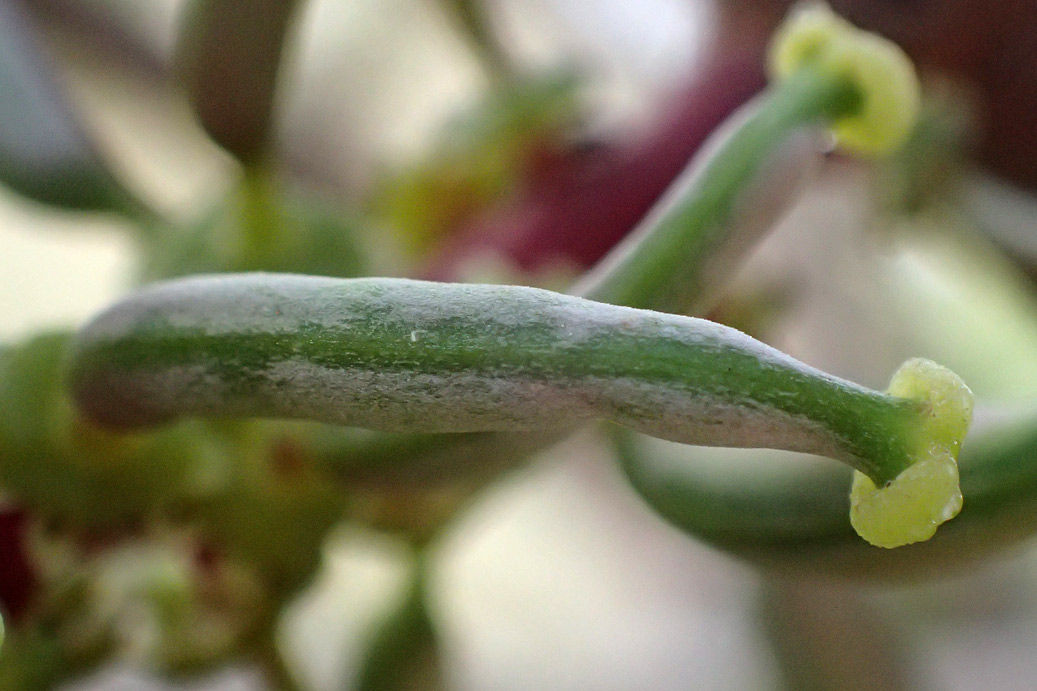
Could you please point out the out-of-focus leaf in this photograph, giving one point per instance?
(32, 661)
(965, 305)
(44, 152)
(1005, 214)
(230, 51)
(302, 235)
(128, 34)
(480, 156)
(62, 469)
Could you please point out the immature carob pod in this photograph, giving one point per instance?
(401, 355)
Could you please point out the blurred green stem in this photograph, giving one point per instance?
(261, 229)
(661, 265)
(273, 663)
(403, 655)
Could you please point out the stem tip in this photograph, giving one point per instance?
(910, 507)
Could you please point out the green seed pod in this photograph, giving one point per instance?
(400, 355)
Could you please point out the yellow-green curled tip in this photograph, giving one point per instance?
(911, 507)
(885, 80)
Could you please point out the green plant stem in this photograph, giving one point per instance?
(261, 226)
(712, 211)
(662, 264)
(403, 655)
(432, 458)
(401, 355)
(274, 665)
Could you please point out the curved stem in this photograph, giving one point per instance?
(402, 355)
(737, 186)
(662, 264)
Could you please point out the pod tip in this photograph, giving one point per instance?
(910, 507)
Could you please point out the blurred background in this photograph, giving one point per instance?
(517, 141)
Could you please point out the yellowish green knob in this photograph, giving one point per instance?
(882, 75)
(910, 507)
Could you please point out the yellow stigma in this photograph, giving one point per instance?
(813, 36)
(926, 494)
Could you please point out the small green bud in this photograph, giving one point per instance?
(880, 72)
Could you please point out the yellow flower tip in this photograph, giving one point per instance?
(926, 494)
(947, 401)
(911, 507)
(803, 37)
(880, 71)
